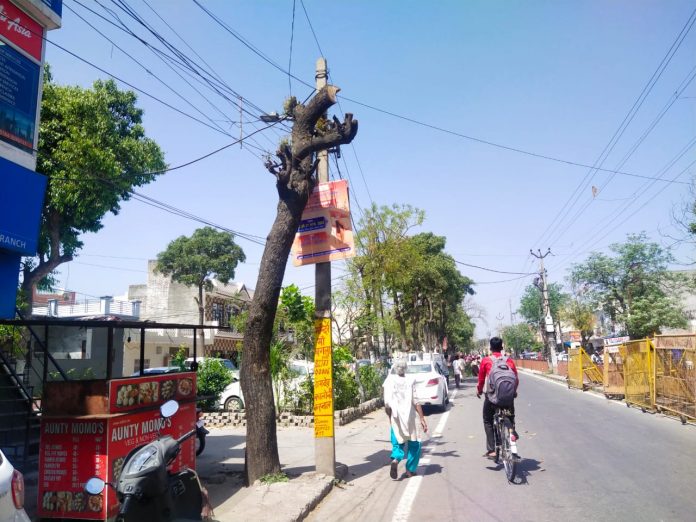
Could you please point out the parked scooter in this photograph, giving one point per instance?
(201, 432)
(147, 490)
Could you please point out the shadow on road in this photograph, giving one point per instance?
(525, 468)
(376, 461)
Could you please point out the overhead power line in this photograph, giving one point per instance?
(492, 270)
(482, 141)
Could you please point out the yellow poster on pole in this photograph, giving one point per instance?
(323, 380)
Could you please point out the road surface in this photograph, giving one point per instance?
(584, 457)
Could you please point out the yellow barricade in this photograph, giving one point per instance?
(675, 375)
(639, 381)
(614, 385)
(580, 366)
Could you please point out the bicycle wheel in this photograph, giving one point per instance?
(509, 461)
(496, 436)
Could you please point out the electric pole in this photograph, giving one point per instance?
(324, 446)
(548, 319)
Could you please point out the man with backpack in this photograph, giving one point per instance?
(499, 375)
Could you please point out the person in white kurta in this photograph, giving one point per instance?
(401, 406)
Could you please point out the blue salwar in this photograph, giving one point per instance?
(413, 448)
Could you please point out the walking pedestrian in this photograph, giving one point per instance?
(400, 404)
(457, 367)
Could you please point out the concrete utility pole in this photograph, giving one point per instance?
(324, 447)
(548, 319)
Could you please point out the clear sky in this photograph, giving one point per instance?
(552, 78)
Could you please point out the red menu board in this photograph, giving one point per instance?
(127, 432)
(75, 449)
(150, 390)
(72, 451)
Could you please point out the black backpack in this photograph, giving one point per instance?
(502, 382)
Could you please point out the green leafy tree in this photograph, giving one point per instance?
(180, 357)
(212, 378)
(531, 308)
(94, 151)
(520, 337)
(381, 257)
(196, 260)
(580, 315)
(633, 286)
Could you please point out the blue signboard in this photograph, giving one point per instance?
(21, 203)
(19, 87)
(9, 274)
(54, 5)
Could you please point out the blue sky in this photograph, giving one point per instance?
(553, 78)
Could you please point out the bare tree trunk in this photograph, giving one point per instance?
(261, 440)
(201, 316)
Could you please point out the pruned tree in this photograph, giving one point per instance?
(295, 174)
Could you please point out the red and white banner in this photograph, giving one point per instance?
(19, 28)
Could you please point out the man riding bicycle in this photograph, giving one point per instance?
(500, 393)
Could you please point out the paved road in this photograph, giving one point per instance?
(583, 458)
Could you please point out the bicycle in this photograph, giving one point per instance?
(505, 446)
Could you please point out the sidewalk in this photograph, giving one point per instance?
(221, 466)
(550, 376)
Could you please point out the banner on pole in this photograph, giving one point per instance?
(323, 380)
(325, 233)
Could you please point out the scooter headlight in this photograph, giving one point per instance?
(146, 458)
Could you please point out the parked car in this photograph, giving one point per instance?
(158, 370)
(431, 384)
(11, 493)
(228, 364)
(231, 398)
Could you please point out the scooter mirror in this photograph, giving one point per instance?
(95, 485)
(169, 408)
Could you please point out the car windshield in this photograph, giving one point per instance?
(229, 364)
(300, 370)
(419, 368)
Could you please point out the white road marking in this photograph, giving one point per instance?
(403, 508)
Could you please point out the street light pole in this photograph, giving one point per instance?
(548, 319)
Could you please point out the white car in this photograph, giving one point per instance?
(231, 398)
(431, 384)
(228, 364)
(11, 493)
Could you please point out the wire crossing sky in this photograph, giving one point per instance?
(512, 125)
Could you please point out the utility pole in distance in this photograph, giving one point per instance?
(324, 446)
(548, 319)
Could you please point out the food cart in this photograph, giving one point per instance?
(89, 427)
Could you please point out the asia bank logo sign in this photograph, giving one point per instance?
(14, 25)
(20, 29)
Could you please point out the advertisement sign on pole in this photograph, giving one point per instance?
(325, 232)
(323, 381)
